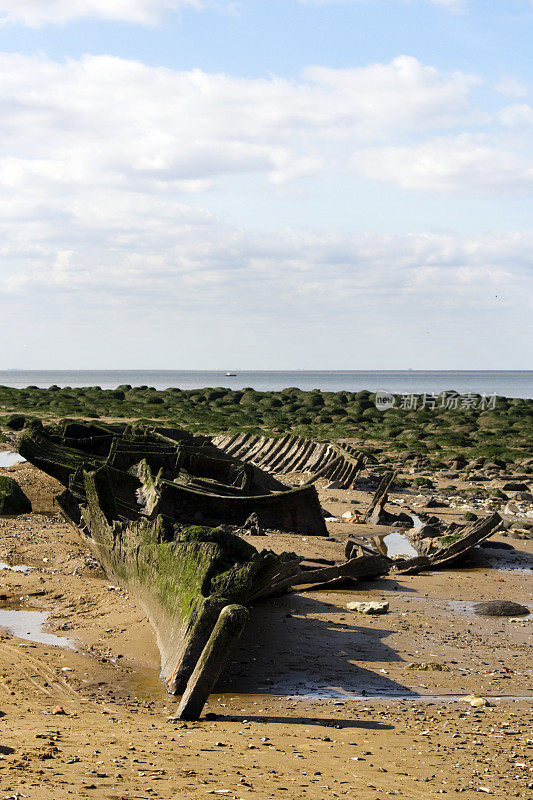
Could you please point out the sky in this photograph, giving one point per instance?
(270, 184)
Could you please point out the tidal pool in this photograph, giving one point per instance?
(28, 625)
(395, 544)
(8, 458)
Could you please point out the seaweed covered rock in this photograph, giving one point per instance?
(501, 608)
(12, 498)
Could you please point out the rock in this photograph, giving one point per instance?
(475, 701)
(424, 539)
(497, 463)
(434, 503)
(515, 487)
(499, 494)
(12, 498)
(351, 516)
(521, 533)
(527, 496)
(497, 545)
(383, 517)
(500, 608)
(252, 525)
(371, 607)
(59, 710)
(423, 532)
(511, 508)
(459, 462)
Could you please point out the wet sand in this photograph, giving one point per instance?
(316, 701)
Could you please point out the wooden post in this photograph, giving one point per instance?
(380, 497)
(227, 630)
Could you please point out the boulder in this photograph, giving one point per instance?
(501, 608)
(433, 502)
(12, 498)
(252, 526)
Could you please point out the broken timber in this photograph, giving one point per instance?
(453, 547)
(358, 568)
(334, 461)
(227, 630)
(375, 509)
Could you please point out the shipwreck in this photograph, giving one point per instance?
(161, 509)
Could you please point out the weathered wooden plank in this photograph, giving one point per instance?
(227, 630)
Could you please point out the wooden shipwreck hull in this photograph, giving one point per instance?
(189, 479)
(157, 508)
(183, 575)
(331, 460)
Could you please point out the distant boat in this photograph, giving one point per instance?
(231, 374)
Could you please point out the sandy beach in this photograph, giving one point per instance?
(316, 702)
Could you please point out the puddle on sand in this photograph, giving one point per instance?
(9, 458)
(339, 696)
(16, 568)
(146, 685)
(420, 698)
(29, 625)
(395, 544)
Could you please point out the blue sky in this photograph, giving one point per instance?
(276, 184)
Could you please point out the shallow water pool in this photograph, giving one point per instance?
(28, 625)
(8, 458)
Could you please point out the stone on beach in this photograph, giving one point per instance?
(370, 607)
(501, 608)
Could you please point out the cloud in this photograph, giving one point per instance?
(105, 121)
(137, 252)
(36, 13)
(72, 130)
(101, 157)
(137, 283)
(510, 87)
(463, 164)
(516, 115)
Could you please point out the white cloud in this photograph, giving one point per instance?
(516, 115)
(168, 256)
(99, 156)
(463, 164)
(137, 283)
(404, 94)
(36, 13)
(510, 87)
(105, 121)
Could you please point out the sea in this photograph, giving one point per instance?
(503, 383)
